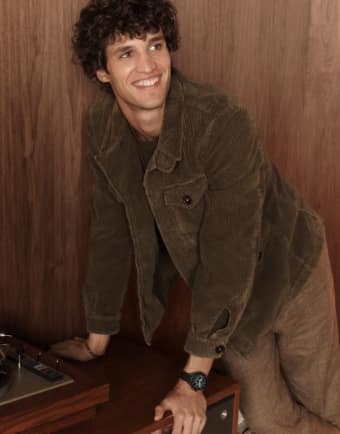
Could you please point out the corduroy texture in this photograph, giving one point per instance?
(239, 236)
(291, 383)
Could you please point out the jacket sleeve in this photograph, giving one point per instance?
(109, 262)
(229, 233)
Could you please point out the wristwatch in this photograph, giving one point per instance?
(196, 380)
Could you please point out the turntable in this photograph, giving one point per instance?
(5, 373)
(22, 376)
(39, 394)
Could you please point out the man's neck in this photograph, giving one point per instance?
(146, 123)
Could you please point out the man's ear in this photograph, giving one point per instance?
(103, 76)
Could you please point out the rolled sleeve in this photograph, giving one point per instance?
(109, 263)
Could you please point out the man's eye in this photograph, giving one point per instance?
(156, 47)
(125, 55)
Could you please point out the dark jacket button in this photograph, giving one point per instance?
(220, 349)
(187, 200)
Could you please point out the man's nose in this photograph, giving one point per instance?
(145, 62)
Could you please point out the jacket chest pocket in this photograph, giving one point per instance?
(185, 201)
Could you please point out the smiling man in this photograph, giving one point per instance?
(139, 73)
(182, 185)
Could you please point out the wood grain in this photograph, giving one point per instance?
(150, 376)
(279, 58)
(43, 179)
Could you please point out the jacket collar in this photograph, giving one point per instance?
(170, 144)
(117, 136)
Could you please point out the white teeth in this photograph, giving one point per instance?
(147, 83)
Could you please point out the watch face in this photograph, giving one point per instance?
(199, 381)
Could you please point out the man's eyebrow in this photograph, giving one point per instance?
(127, 47)
(156, 38)
(122, 49)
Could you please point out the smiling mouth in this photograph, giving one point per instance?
(147, 83)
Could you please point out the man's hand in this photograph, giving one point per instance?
(188, 408)
(82, 349)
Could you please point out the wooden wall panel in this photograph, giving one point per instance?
(43, 181)
(319, 145)
(281, 60)
(277, 57)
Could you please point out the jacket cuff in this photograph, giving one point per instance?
(212, 348)
(100, 325)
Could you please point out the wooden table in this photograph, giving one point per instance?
(139, 377)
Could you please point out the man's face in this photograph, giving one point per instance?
(139, 72)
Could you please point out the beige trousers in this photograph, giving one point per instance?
(291, 383)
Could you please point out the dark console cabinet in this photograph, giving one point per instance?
(116, 394)
(139, 378)
(221, 417)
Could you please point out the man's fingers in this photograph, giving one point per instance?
(188, 424)
(189, 417)
(159, 412)
(60, 347)
(202, 424)
(199, 425)
(178, 423)
(72, 349)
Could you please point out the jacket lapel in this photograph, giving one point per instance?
(170, 144)
(120, 163)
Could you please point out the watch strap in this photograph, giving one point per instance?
(196, 380)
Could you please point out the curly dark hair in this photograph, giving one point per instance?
(102, 20)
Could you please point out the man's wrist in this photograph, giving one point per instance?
(198, 364)
(194, 375)
(197, 381)
(92, 353)
(96, 344)
(185, 388)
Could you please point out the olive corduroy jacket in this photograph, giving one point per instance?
(237, 233)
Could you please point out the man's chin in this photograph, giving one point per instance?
(150, 105)
(142, 104)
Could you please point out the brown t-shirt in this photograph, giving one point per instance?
(145, 150)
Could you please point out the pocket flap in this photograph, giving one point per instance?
(187, 194)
